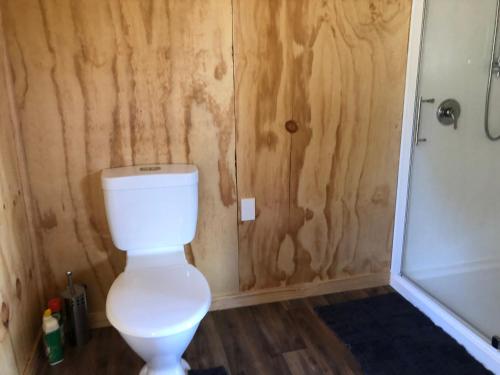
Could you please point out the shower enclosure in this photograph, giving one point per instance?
(447, 230)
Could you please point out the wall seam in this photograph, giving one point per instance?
(235, 122)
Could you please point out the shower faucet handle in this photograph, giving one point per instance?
(448, 113)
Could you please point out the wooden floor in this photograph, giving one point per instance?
(278, 338)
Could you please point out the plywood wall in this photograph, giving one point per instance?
(324, 184)
(108, 83)
(112, 83)
(20, 286)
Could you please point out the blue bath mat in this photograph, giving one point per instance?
(389, 336)
(212, 371)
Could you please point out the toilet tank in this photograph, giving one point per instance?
(151, 207)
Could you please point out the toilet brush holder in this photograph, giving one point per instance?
(75, 307)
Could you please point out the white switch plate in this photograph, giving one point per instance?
(247, 209)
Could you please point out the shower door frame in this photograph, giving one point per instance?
(476, 344)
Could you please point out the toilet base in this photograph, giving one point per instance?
(183, 370)
(162, 355)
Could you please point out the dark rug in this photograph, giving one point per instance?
(389, 336)
(211, 371)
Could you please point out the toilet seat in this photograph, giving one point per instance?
(158, 301)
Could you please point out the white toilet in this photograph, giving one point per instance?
(159, 300)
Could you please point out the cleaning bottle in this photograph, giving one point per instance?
(52, 338)
(55, 306)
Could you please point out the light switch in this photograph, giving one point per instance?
(247, 209)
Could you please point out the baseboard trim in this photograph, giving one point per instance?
(257, 297)
(298, 291)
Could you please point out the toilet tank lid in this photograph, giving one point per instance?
(149, 176)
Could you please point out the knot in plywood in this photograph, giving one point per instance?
(5, 315)
(291, 126)
(19, 289)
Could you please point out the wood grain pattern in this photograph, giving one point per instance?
(325, 193)
(111, 83)
(108, 83)
(20, 286)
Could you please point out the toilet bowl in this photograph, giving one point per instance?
(157, 311)
(157, 303)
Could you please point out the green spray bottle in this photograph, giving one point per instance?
(52, 338)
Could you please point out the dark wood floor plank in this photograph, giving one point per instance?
(356, 294)
(316, 301)
(302, 362)
(295, 304)
(206, 349)
(310, 303)
(380, 290)
(337, 298)
(277, 328)
(246, 349)
(325, 346)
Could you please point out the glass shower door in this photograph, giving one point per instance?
(452, 242)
